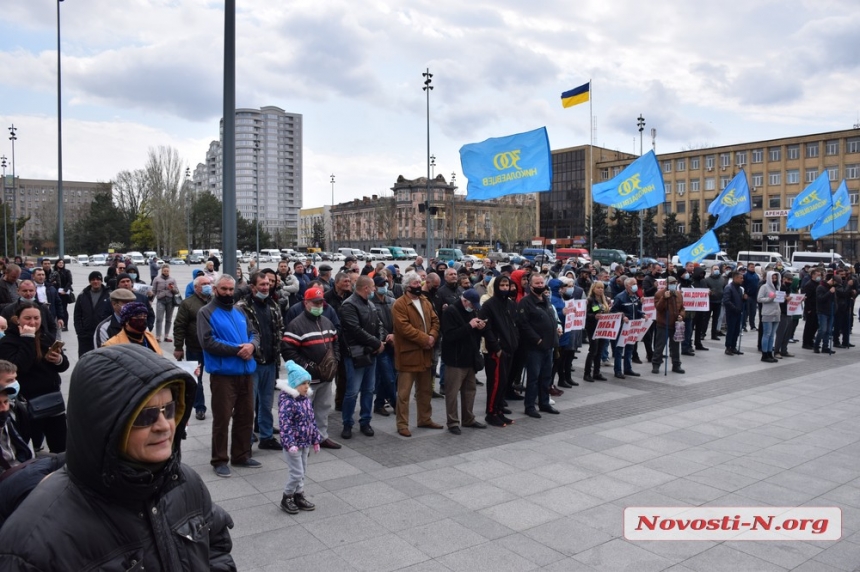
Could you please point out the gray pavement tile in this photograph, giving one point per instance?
(257, 519)
(404, 514)
(662, 444)
(775, 495)
(409, 487)
(714, 430)
(524, 460)
(788, 455)
(344, 529)
(568, 536)
(755, 418)
(674, 466)
(692, 438)
(780, 433)
(224, 489)
(750, 467)
(561, 449)
(632, 453)
(723, 558)
(520, 514)
(722, 479)
(605, 487)
(523, 483)
(332, 469)
(814, 566)
(485, 469)
(394, 472)
(649, 497)
(608, 518)
(641, 476)
(322, 561)
(831, 439)
(380, 553)
(440, 537)
(595, 442)
(562, 473)
(675, 550)
(704, 456)
(346, 482)
(567, 565)
(364, 464)
(624, 434)
(264, 548)
(487, 557)
(441, 504)
(370, 495)
(600, 463)
(734, 499)
(618, 554)
(842, 555)
(565, 500)
(244, 502)
(845, 494)
(689, 492)
(789, 555)
(741, 444)
(442, 479)
(442, 462)
(479, 495)
(426, 566)
(652, 427)
(486, 527)
(328, 505)
(269, 480)
(530, 549)
(802, 482)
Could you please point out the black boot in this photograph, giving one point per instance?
(302, 503)
(287, 504)
(655, 368)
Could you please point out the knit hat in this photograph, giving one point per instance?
(130, 310)
(296, 374)
(95, 275)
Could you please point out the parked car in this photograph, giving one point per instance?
(98, 260)
(177, 262)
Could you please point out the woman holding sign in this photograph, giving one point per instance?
(769, 314)
(595, 305)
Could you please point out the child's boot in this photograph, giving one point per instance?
(302, 503)
(288, 504)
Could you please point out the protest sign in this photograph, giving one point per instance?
(696, 299)
(633, 331)
(795, 305)
(607, 326)
(648, 308)
(574, 315)
(780, 297)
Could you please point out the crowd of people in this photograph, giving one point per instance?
(362, 341)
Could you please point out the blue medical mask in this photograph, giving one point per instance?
(133, 276)
(382, 290)
(207, 290)
(16, 387)
(261, 295)
(673, 287)
(568, 291)
(2, 335)
(634, 288)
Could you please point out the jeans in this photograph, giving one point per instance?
(733, 329)
(164, 309)
(386, 379)
(539, 368)
(687, 344)
(199, 397)
(716, 310)
(359, 380)
(298, 464)
(768, 333)
(822, 338)
(751, 306)
(627, 353)
(264, 387)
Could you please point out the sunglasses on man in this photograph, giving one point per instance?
(149, 415)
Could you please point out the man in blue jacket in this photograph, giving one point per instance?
(751, 282)
(627, 302)
(229, 344)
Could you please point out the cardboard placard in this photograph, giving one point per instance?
(780, 297)
(795, 305)
(608, 326)
(575, 318)
(696, 299)
(648, 308)
(633, 331)
(661, 283)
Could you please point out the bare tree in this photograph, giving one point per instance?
(514, 222)
(385, 220)
(131, 193)
(164, 177)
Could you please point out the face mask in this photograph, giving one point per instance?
(716, 272)
(474, 279)
(415, 291)
(137, 324)
(317, 311)
(133, 276)
(206, 290)
(568, 291)
(487, 278)
(382, 290)
(432, 291)
(817, 278)
(16, 387)
(634, 288)
(469, 308)
(686, 276)
(539, 290)
(511, 293)
(260, 295)
(226, 300)
(673, 287)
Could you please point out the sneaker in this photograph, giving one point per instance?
(551, 401)
(271, 444)
(201, 414)
(366, 430)
(346, 433)
(288, 504)
(249, 464)
(302, 503)
(222, 471)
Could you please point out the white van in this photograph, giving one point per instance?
(346, 251)
(801, 259)
(83, 260)
(761, 258)
(410, 253)
(381, 254)
(270, 255)
(136, 258)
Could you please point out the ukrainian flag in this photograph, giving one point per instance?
(576, 95)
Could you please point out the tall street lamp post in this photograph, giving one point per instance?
(188, 209)
(428, 79)
(331, 216)
(61, 236)
(13, 137)
(5, 209)
(640, 123)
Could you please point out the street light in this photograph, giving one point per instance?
(13, 137)
(188, 209)
(330, 215)
(5, 210)
(61, 237)
(432, 166)
(640, 123)
(428, 79)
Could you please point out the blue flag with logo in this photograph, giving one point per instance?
(638, 187)
(706, 245)
(734, 200)
(809, 205)
(512, 165)
(836, 216)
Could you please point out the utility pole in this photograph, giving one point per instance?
(640, 122)
(428, 79)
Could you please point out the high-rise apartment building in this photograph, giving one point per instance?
(268, 170)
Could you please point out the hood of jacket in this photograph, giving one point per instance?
(284, 385)
(108, 387)
(768, 284)
(555, 286)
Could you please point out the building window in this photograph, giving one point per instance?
(681, 207)
(741, 158)
(709, 162)
(756, 226)
(681, 187)
(681, 165)
(774, 154)
(725, 159)
(667, 166)
(615, 171)
(668, 186)
(695, 186)
(709, 183)
(774, 178)
(774, 202)
(793, 152)
(790, 200)
(851, 171)
(812, 150)
(724, 182)
(831, 147)
(757, 201)
(757, 180)
(811, 175)
(852, 198)
(852, 224)
(667, 208)
(604, 174)
(852, 145)
(792, 176)
(773, 225)
(832, 173)
(757, 155)
(694, 205)
(694, 163)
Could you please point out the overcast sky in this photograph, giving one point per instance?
(142, 73)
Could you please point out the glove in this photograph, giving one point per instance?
(317, 448)
(771, 295)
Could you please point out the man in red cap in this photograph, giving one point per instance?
(311, 341)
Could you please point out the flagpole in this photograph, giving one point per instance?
(590, 198)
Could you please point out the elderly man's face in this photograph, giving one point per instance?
(27, 290)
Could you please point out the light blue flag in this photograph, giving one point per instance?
(512, 165)
(810, 204)
(638, 187)
(708, 244)
(734, 200)
(836, 216)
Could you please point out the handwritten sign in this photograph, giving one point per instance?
(633, 332)
(795, 305)
(661, 283)
(608, 326)
(696, 299)
(648, 308)
(780, 297)
(142, 288)
(575, 318)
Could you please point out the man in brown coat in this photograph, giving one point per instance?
(669, 304)
(416, 329)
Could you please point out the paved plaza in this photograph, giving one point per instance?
(548, 494)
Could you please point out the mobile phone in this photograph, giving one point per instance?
(57, 346)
